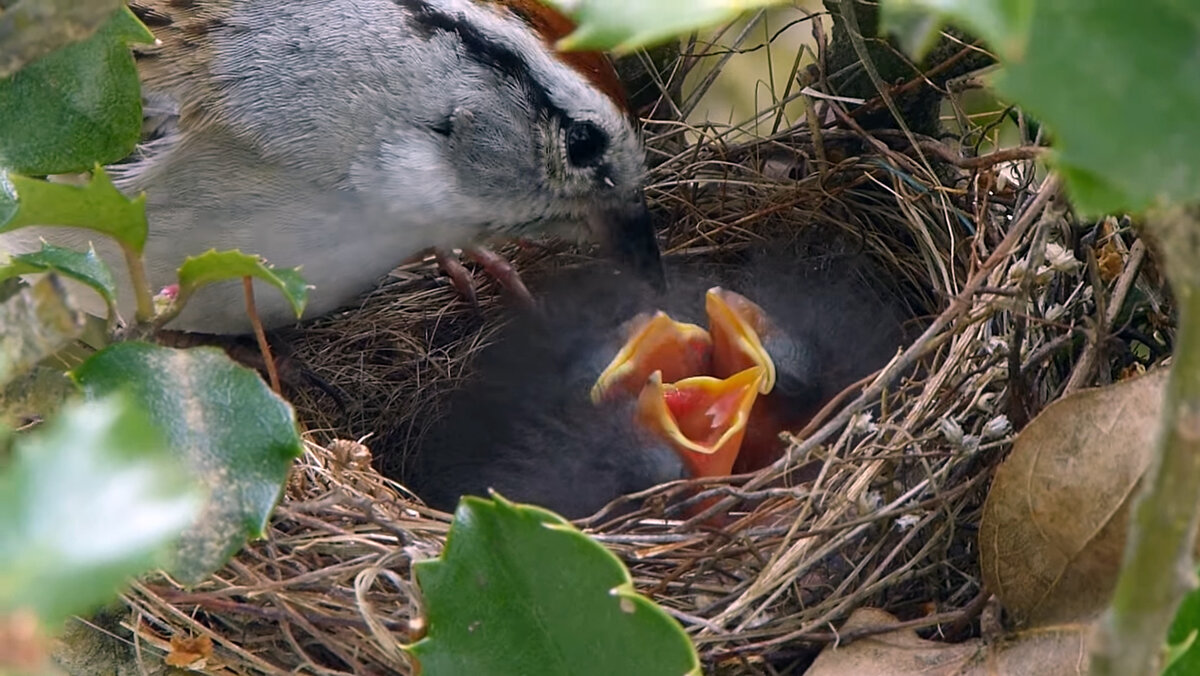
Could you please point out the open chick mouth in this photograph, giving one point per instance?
(695, 388)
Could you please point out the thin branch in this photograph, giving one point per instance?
(983, 161)
(915, 83)
(1082, 375)
(854, 34)
(219, 605)
(703, 86)
(260, 335)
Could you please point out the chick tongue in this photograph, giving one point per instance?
(702, 418)
(656, 343)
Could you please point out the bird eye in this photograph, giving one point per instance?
(443, 127)
(585, 144)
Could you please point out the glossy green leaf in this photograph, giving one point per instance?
(625, 25)
(89, 500)
(1003, 24)
(1119, 85)
(82, 266)
(36, 323)
(235, 434)
(1183, 652)
(1117, 82)
(76, 106)
(518, 590)
(97, 206)
(217, 266)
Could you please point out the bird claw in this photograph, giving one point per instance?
(503, 272)
(451, 266)
(493, 264)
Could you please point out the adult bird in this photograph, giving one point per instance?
(347, 136)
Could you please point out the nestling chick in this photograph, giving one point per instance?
(347, 136)
(522, 423)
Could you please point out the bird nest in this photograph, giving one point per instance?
(877, 501)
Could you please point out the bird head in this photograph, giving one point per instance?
(516, 138)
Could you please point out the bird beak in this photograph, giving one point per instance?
(703, 418)
(656, 343)
(626, 232)
(737, 325)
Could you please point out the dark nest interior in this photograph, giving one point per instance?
(877, 501)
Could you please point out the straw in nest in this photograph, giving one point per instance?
(889, 515)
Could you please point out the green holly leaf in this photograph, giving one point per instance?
(1115, 81)
(1183, 652)
(82, 266)
(626, 25)
(97, 206)
(76, 106)
(234, 433)
(217, 266)
(519, 590)
(35, 323)
(89, 500)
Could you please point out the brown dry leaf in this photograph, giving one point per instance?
(1058, 650)
(1109, 258)
(895, 653)
(1048, 651)
(1053, 528)
(1109, 261)
(189, 653)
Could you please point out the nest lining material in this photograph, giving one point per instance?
(864, 510)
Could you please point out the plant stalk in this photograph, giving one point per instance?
(1158, 567)
(260, 335)
(141, 285)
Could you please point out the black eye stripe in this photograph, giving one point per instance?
(586, 144)
(428, 20)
